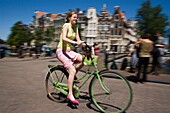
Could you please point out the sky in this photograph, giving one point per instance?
(13, 11)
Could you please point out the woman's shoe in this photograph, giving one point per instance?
(78, 81)
(73, 101)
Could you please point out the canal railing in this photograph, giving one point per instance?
(111, 57)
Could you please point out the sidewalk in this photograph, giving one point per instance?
(15, 59)
(162, 78)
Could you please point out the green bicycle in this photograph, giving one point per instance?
(109, 91)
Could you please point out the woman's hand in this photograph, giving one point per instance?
(79, 42)
(129, 54)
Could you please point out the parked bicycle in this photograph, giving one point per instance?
(109, 91)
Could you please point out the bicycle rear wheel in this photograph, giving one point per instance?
(56, 75)
(119, 97)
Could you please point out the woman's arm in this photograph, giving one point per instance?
(64, 36)
(131, 52)
(79, 42)
(138, 42)
(152, 46)
(159, 45)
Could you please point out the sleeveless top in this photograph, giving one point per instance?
(145, 49)
(70, 35)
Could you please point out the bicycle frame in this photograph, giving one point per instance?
(95, 73)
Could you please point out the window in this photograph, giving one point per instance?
(100, 26)
(91, 13)
(120, 32)
(103, 16)
(100, 35)
(82, 25)
(112, 25)
(112, 32)
(105, 35)
(116, 17)
(120, 24)
(91, 18)
(116, 25)
(115, 31)
(106, 27)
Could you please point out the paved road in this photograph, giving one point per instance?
(22, 89)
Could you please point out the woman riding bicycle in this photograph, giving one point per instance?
(66, 55)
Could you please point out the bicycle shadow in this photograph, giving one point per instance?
(85, 96)
(91, 106)
(131, 78)
(72, 106)
(69, 104)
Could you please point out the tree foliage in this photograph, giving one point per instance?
(150, 19)
(49, 34)
(2, 41)
(19, 34)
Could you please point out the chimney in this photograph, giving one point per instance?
(117, 8)
(70, 10)
(78, 10)
(104, 7)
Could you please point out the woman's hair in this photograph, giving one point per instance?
(70, 15)
(147, 36)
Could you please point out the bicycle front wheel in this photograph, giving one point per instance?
(56, 75)
(115, 97)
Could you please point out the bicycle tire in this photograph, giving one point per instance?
(121, 93)
(55, 73)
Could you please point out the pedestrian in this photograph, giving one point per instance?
(20, 52)
(67, 56)
(96, 49)
(134, 59)
(43, 48)
(134, 53)
(157, 53)
(146, 45)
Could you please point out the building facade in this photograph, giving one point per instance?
(92, 25)
(43, 21)
(111, 31)
(104, 21)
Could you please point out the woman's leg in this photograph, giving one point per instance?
(146, 62)
(72, 73)
(80, 64)
(139, 70)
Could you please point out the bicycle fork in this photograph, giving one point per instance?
(102, 83)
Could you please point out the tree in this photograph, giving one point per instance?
(49, 34)
(150, 19)
(168, 35)
(2, 41)
(38, 34)
(19, 34)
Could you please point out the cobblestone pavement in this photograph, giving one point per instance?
(22, 89)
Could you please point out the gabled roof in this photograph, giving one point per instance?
(122, 14)
(53, 16)
(40, 14)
